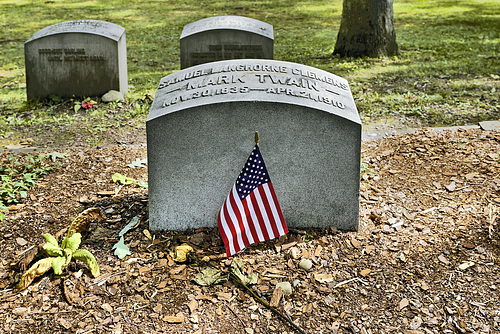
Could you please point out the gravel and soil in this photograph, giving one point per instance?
(425, 259)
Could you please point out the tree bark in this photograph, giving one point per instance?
(366, 29)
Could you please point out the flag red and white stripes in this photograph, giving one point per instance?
(251, 212)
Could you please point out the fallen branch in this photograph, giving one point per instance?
(262, 301)
(266, 304)
(71, 311)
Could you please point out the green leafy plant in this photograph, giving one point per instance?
(364, 168)
(125, 180)
(3, 209)
(59, 257)
(19, 173)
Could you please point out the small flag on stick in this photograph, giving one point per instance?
(251, 212)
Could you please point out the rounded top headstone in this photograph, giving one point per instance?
(255, 80)
(228, 22)
(103, 28)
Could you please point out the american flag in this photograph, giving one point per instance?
(251, 212)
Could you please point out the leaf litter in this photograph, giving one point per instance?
(425, 259)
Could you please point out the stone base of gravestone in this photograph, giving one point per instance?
(76, 58)
(200, 132)
(225, 37)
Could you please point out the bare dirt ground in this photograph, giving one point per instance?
(425, 260)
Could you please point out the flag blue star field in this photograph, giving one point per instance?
(251, 212)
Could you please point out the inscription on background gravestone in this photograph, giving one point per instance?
(81, 58)
(200, 129)
(225, 37)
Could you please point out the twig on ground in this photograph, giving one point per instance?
(71, 311)
(477, 304)
(349, 281)
(106, 278)
(266, 304)
(118, 190)
(262, 301)
(241, 321)
(26, 250)
(492, 217)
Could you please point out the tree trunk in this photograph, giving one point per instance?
(366, 29)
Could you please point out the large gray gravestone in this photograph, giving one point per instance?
(225, 37)
(81, 58)
(200, 131)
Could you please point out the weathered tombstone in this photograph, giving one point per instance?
(224, 38)
(81, 58)
(200, 131)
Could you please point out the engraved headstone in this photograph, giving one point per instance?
(224, 38)
(200, 129)
(81, 58)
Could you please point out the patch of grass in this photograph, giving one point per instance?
(447, 72)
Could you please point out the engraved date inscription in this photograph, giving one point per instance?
(69, 55)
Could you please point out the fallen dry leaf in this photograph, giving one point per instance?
(276, 297)
(323, 278)
(39, 268)
(65, 323)
(192, 305)
(224, 295)
(403, 303)
(451, 187)
(70, 293)
(469, 245)
(365, 272)
(369, 249)
(21, 241)
(443, 259)
(82, 222)
(15, 207)
(180, 253)
(356, 243)
(178, 270)
(147, 234)
(466, 265)
(20, 311)
(318, 250)
(107, 307)
(171, 319)
(288, 245)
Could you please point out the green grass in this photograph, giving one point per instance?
(447, 72)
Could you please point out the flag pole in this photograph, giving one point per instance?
(256, 137)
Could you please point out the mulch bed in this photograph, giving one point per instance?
(425, 260)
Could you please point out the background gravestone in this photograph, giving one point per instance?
(81, 58)
(200, 131)
(225, 37)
